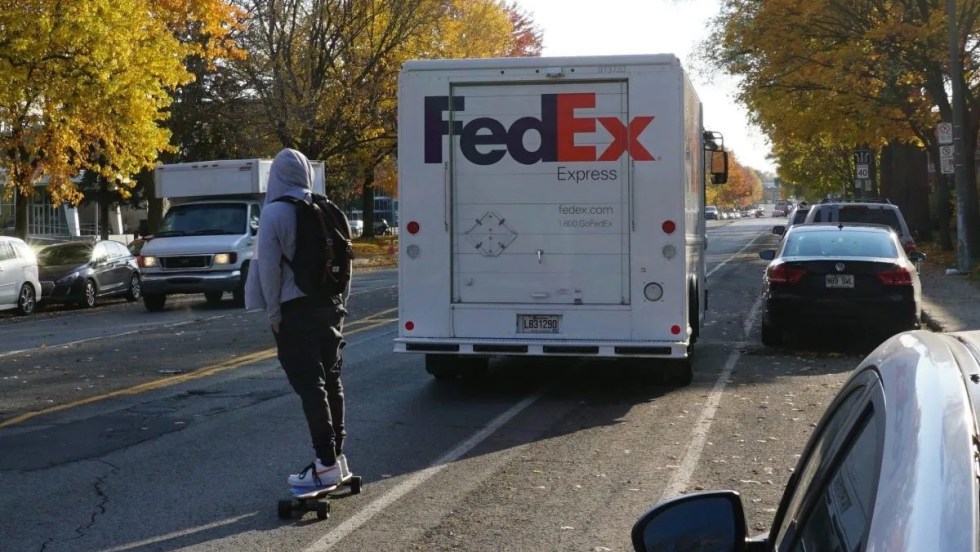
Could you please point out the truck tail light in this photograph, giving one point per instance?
(669, 226)
(413, 227)
(675, 329)
(409, 325)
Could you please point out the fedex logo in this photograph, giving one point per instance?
(485, 140)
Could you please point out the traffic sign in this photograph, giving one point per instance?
(946, 159)
(944, 132)
(863, 171)
(862, 157)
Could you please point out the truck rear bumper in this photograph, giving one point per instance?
(191, 282)
(522, 347)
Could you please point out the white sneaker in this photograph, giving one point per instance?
(316, 475)
(345, 473)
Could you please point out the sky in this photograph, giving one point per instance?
(609, 27)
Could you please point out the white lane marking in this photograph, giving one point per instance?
(682, 477)
(178, 534)
(416, 480)
(740, 251)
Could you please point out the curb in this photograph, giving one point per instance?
(931, 322)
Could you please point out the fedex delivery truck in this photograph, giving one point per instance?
(552, 207)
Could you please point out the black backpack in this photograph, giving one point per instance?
(322, 261)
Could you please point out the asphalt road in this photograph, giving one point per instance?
(127, 430)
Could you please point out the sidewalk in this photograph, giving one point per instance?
(949, 303)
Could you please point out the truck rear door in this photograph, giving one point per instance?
(540, 192)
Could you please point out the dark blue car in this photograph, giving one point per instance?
(82, 272)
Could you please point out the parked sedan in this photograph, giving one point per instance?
(19, 284)
(891, 465)
(854, 275)
(81, 272)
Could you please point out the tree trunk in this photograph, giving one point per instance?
(20, 211)
(104, 224)
(944, 207)
(905, 182)
(367, 197)
(971, 214)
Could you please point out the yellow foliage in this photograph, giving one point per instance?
(85, 83)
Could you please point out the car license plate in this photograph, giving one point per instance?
(538, 323)
(840, 280)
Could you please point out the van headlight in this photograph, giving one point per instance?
(225, 258)
(146, 262)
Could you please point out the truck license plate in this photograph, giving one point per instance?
(840, 280)
(538, 323)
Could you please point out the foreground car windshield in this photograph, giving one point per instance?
(69, 253)
(839, 243)
(204, 219)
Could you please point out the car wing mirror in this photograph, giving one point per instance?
(779, 230)
(711, 521)
(767, 254)
(917, 256)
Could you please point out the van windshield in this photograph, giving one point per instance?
(203, 219)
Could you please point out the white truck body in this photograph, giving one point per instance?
(544, 211)
(205, 242)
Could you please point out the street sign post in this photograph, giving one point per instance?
(944, 133)
(946, 159)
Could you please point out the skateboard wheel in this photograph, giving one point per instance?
(355, 484)
(285, 509)
(322, 510)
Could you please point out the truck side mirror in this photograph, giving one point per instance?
(719, 167)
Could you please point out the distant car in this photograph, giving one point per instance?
(798, 216)
(81, 272)
(840, 275)
(891, 465)
(873, 212)
(356, 223)
(711, 212)
(136, 245)
(19, 283)
(778, 213)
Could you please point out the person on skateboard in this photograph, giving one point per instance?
(308, 331)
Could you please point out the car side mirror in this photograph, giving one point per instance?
(767, 254)
(917, 256)
(701, 522)
(779, 230)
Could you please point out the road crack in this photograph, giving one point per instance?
(97, 512)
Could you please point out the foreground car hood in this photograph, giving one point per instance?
(55, 272)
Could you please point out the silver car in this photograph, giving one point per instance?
(893, 465)
(19, 285)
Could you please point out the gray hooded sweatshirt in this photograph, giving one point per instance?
(270, 281)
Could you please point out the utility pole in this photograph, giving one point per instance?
(959, 167)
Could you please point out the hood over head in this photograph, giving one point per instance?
(291, 174)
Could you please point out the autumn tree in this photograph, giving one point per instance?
(85, 86)
(840, 74)
(326, 72)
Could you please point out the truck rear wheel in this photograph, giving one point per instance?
(154, 302)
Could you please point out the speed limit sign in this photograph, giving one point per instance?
(863, 171)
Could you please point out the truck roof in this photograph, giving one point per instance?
(516, 63)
